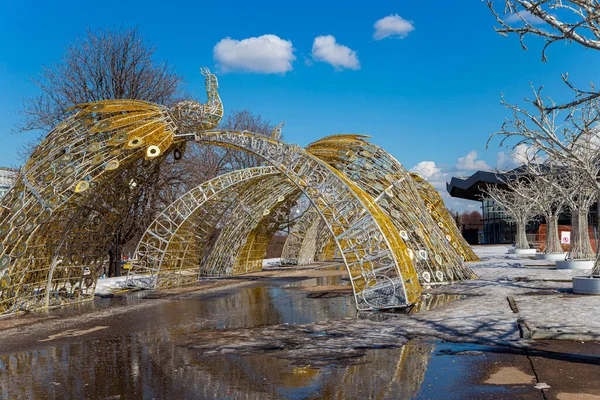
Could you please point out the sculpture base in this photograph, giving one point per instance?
(586, 284)
(575, 264)
(522, 252)
(551, 256)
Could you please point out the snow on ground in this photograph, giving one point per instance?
(542, 294)
(271, 262)
(106, 286)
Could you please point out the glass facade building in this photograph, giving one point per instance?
(7, 178)
(497, 227)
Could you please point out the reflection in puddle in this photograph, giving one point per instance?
(322, 281)
(139, 356)
(152, 367)
(430, 302)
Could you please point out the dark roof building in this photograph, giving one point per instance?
(472, 187)
(496, 225)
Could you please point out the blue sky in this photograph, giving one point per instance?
(432, 95)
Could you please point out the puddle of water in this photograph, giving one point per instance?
(428, 302)
(137, 356)
(335, 280)
(98, 303)
(149, 365)
(258, 306)
(457, 371)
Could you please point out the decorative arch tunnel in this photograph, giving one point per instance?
(389, 228)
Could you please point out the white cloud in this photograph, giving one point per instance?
(266, 54)
(438, 175)
(471, 163)
(433, 174)
(426, 169)
(392, 26)
(519, 155)
(326, 49)
(524, 15)
(504, 161)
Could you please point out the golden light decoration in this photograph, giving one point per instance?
(56, 220)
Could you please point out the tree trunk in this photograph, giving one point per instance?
(114, 256)
(111, 263)
(521, 239)
(581, 248)
(552, 239)
(596, 270)
(118, 252)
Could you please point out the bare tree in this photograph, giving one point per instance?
(558, 187)
(546, 186)
(579, 23)
(517, 204)
(102, 64)
(472, 219)
(522, 17)
(570, 138)
(580, 196)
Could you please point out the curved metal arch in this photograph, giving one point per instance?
(180, 260)
(381, 273)
(242, 242)
(160, 250)
(385, 179)
(300, 247)
(438, 211)
(45, 211)
(257, 241)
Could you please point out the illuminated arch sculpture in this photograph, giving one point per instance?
(181, 233)
(390, 185)
(230, 255)
(54, 221)
(438, 211)
(376, 258)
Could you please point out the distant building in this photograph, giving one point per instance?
(7, 178)
(496, 225)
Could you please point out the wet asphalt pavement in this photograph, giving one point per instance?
(273, 338)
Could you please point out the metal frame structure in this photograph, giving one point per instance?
(437, 209)
(388, 182)
(55, 219)
(379, 268)
(174, 242)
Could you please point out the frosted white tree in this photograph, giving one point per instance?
(517, 205)
(566, 131)
(570, 138)
(561, 186)
(579, 21)
(546, 193)
(580, 196)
